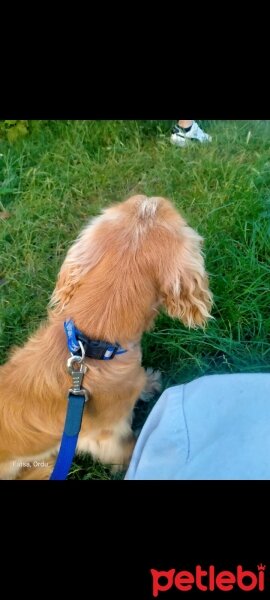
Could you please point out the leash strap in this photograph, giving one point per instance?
(69, 437)
(83, 346)
(77, 396)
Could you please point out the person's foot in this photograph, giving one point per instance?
(180, 137)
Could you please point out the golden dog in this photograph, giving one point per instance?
(137, 256)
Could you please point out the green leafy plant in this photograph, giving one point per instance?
(12, 129)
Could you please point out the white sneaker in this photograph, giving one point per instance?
(181, 138)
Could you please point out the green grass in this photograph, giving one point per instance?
(54, 180)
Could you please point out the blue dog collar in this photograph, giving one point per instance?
(98, 349)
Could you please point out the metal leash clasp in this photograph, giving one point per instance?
(77, 369)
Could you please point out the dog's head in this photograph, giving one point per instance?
(144, 250)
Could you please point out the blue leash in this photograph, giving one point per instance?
(70, 437)
(77, 395)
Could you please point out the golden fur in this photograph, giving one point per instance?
(136, 257)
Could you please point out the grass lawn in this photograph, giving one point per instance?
(54, 180)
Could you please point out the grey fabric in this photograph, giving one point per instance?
(216, 427)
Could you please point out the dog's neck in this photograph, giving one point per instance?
(118, 329)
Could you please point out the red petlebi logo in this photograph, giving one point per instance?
(208, 579)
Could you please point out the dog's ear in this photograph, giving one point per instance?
(183, 280)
